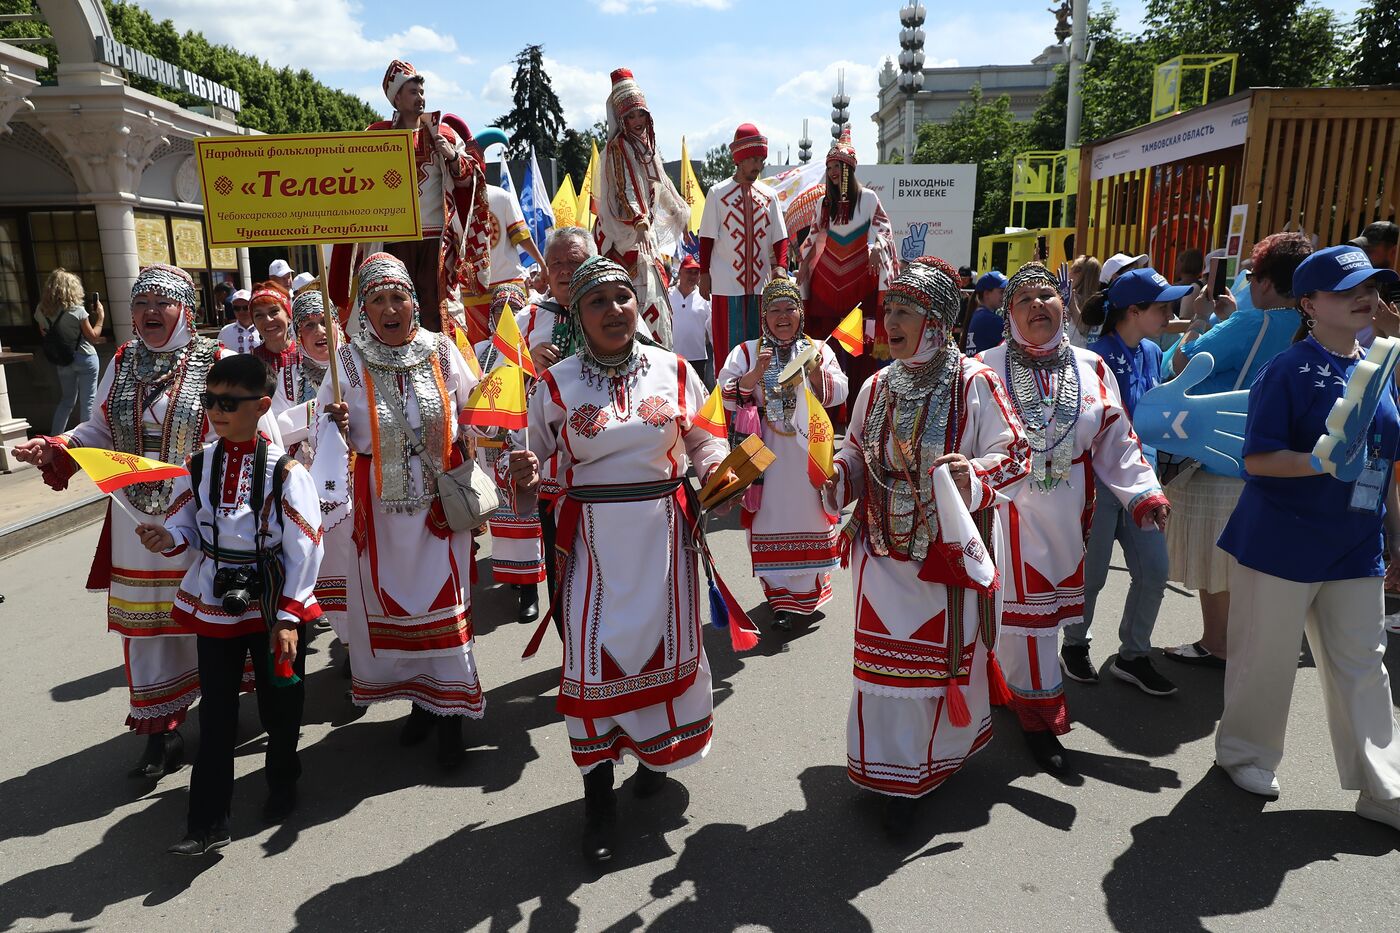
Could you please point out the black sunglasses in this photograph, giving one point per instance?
(225, 403)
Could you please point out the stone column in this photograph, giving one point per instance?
(116, 231)
(12, 430)
(245, 269)
(14, 88)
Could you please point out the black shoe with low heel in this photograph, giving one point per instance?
(529, 603)
(165, 753)
(201, 843)
(782, 621)
(450, 754)
(648, 783)
(1048, 752)
(599, 814)
(898, 817)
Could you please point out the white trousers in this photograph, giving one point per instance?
(1342, 618)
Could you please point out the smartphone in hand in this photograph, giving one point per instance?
(1218, 285)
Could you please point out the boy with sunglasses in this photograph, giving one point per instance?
(253, 514)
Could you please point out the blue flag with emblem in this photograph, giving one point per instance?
(534, 204)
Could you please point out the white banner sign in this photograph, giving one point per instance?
(930, 207)
(1192, 134)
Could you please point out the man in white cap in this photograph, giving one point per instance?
(239, 335)
(302, 279)
(281, 271)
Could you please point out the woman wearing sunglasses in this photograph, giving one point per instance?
(150, 403)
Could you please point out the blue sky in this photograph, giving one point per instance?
(705, 65)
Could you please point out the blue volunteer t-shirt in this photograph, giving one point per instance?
(1301, 529)
(984, 331)
(1135, 368)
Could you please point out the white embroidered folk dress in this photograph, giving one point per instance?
(793, 540)
(158, 652)
(635, 678)
(517, 547)
(408, 596)
(909, 637)
(1046, 531)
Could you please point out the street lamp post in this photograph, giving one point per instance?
(911, 67)
(840, 106)
(804, 146)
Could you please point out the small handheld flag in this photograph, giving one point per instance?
(712, 417)
(850, 333)
(820, 439)
(506, 338)
(112, 470)
(498, 401)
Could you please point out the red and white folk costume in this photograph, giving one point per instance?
(635, 677)
(148, 403)
(1077, 429)
(298, 423)
(517, 547)
(296, 533)
(852, 227)
(923, 664)
(408, 607)
(793, 540)
(641, 215)
(455, 251)
(743, 238)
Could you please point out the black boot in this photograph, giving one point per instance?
(898, 816)
(416, 727)
(529, 603)
(450, 751)
(599, 814)
(782, 621)
(648, 783)
(1048, 752)
(165, 752)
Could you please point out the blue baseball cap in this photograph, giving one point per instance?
(991, 280)
(1336, 269)
(1143, 287)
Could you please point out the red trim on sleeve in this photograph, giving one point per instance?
(707, 248)
(780, 253)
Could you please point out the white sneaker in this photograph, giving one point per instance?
(1381, 811)
(1255, 780)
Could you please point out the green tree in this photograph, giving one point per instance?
(1375, 56)
(575, 149)
(718, 165)
(986, 134)
(536, 119)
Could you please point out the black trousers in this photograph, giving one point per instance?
(421, 258)
(220, 675)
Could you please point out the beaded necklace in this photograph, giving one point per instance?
(1045, 393)
(617, 373)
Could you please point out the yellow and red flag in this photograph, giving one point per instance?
(506, 338)
(588, 193)
(111, 469)
(464, 344)
(498, 401)
(690, 190)
(712, 417)
(821, 438)
(851, 332)
(565, 204)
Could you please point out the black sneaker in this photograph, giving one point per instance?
(1074, 661)
(1141, 674)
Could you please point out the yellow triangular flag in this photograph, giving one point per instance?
(690, 189)
(565, 204)
(587, 192)
(498, 401)
(851, 332)
(820, 439)
(506, 338)
(712, 417)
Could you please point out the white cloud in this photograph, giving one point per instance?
(319, 35)
(620, 7)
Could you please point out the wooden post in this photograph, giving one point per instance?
(332, 318)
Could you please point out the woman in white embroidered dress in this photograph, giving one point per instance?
(517, 549)
(1077, 428)
(793, 541)
(923, 668)
(408, 606)
(295, 402)
(620, 415)
(148, 403)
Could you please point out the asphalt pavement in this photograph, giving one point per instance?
(766, 833)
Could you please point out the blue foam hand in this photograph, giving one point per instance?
(1208, 428)
(912, 246)
(1342, 450)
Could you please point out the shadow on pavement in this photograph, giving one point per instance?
(1220, 852)
(90, 686)
(1144, 725)
(129, 862)
(486, 874)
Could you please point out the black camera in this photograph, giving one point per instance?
(238, 587)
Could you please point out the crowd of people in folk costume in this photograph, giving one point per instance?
(985, 491)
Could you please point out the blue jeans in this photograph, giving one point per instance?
(78, 382)
(1146, 555)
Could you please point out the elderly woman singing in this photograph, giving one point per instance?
(923, 634)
